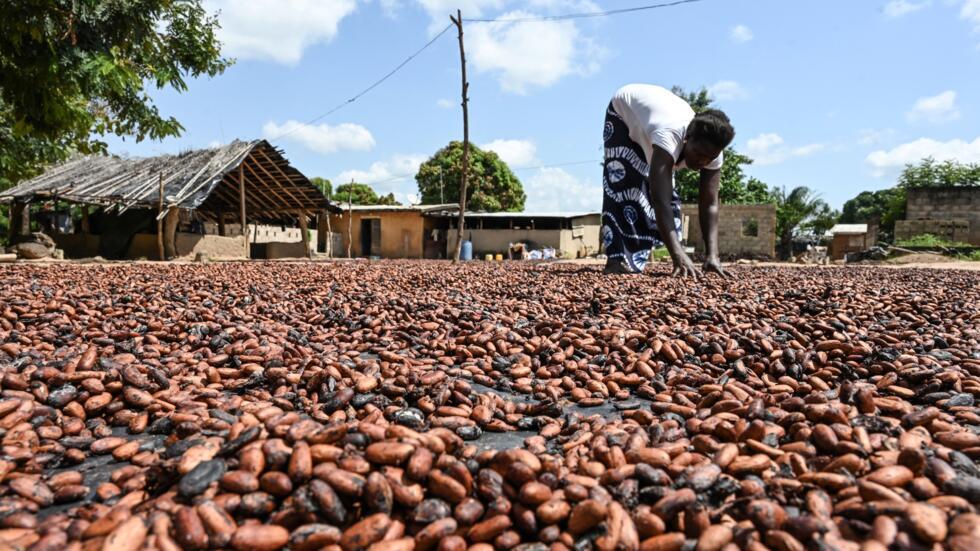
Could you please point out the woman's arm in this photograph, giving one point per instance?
(661, 188)
(708, 218)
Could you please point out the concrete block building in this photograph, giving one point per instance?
(950, 213)
(743, 230)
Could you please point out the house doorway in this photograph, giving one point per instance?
(371, 237)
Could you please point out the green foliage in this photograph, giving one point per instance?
(362, 194)
(491, 186)
(929, 173)
(799, 211)
(930, 240)
(72, 71)
(4, 224)
(885, 206)
(735, 186)
(888, 205)
(972, 256)
(323, 185)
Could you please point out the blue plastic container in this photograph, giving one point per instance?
(466, 251)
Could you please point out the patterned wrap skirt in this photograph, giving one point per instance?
(629, 223)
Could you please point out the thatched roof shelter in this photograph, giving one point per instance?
(209, 181)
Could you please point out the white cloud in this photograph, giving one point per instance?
(555, 190)
(871, 136)
(887, 161)
(277, 30)
(531, 54)
(898, 8)
(935, 109)
(971, 12)
(445, 103)
(516, 153)
(321, 138)
(725, 90)
(399, 168)
(389, 8)
(214, 143)
(769, 149)
(741, 34)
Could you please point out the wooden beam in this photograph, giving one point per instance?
(280, 170)
(278, 198)
(241, 194)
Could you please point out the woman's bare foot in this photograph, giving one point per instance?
(617, 266)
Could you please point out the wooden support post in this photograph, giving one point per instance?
(350, 217)
(86, 227)
(170, 223)
(161, 252)
(241, 194)
(305, 234)
(20, 220)
(329, 237)
(458, 21)
(221, 222)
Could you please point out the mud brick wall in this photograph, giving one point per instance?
(955, 206)
(735, 227)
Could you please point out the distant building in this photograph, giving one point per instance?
(571, 235)
(850, 238)
(743, 230)
(389, 231)
(950, 213)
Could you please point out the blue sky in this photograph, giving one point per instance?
(836, 95)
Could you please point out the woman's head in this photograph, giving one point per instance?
(708, 135)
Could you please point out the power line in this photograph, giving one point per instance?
(369, 88)
(582, 15)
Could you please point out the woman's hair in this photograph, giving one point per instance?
(711, 127)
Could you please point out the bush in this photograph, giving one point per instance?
(929, 240)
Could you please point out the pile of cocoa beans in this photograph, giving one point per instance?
(403, 405)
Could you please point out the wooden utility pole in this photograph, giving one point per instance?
(458, 21)
(160, 223)
(350, 217)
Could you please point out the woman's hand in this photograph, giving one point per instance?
(684, 267)
(713, 265)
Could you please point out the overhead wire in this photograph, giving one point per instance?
(562, 17)
(368, 89)
(582, 15)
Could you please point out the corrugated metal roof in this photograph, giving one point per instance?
(400, 208)
(847, 228)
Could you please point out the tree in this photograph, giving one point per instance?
(362, 194)
(492, 187)
(735, 186)
(929, 173)
(72, 71)
(324, 185)
(798, 211)
(884, 206)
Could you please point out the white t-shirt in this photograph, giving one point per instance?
(656, 116)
